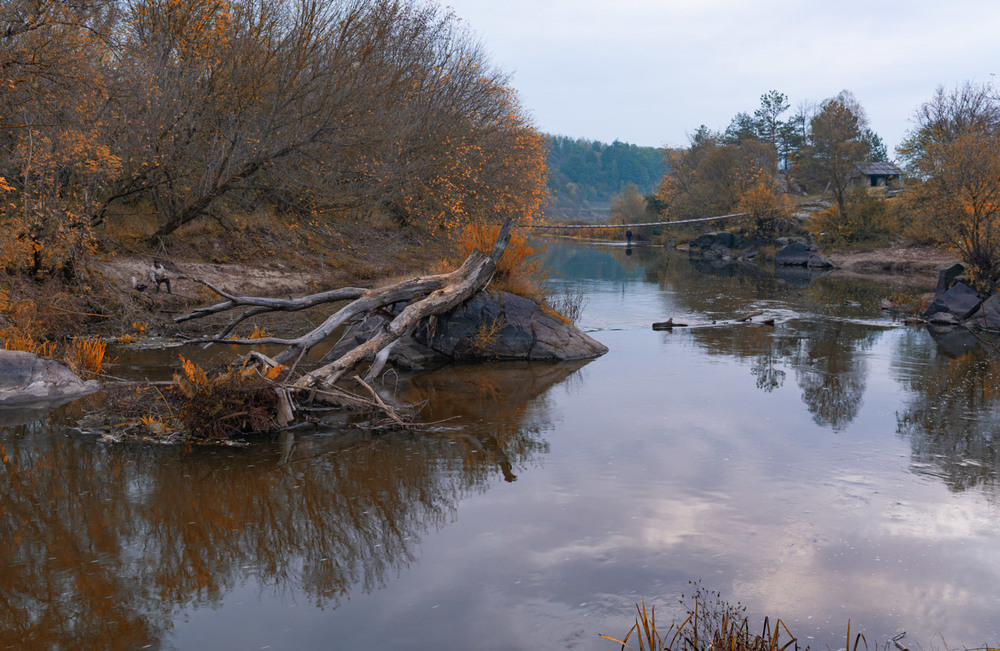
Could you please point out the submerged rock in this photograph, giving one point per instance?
(488, 326)
(27, 378)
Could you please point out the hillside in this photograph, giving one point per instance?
(585, 174)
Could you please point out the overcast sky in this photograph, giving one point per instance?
(650, 71)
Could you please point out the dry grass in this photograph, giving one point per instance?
(567, 305)
(85, 355)
(487, 335)
(712, 624)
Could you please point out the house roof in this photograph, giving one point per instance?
(878, 168)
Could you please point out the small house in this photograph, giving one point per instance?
(879, 174)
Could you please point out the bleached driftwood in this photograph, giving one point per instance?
(428, 297)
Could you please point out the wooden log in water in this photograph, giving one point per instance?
(749, 315)
(668, 324)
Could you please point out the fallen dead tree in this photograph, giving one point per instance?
(427, 297)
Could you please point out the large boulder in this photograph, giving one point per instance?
(800, 254)
(988, 316)
(960, 300)
(947, 276)
(703, 241)
(488, 326)
(26, 378)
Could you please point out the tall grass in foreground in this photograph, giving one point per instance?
(712, 624)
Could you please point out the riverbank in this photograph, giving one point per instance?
(283, 259)
(894, 259)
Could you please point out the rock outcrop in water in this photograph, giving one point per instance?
(956, 303)
(489, 326)
(27, 378)
(800, 254)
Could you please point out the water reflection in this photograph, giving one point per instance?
(535, 518)
(833, 323)
(825, 324)
(104, 544)
(951, 418)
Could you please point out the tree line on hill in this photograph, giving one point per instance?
(585, 175)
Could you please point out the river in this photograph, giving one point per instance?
(835, 467)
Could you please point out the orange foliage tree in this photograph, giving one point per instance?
(374, 106)
(54, 161)
(200, 107)
(953, 157)
(711, 178)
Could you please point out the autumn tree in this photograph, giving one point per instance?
(836, 144)
(54, 163)
(190, 109)
(628, 206)
(383, 105)
(953, 156)
(711, 178)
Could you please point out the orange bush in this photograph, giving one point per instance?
(86, 354)
(520, 270)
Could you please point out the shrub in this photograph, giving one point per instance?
(85, 355)
(766, 207)
(225, 404)
(867, 219)
(520, 270)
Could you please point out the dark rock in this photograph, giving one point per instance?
(703, 241)
(800, 254)
(522, 330)
(717, 252)
(944, 319)
(726, 239)
(947, 276)
(817, 261)
(26, 378)
(988, 316)
(486, 327)
(961, 300)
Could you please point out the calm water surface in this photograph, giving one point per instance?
(834, 467)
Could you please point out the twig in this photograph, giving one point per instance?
(389, 411)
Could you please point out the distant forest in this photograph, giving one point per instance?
(584, 175)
